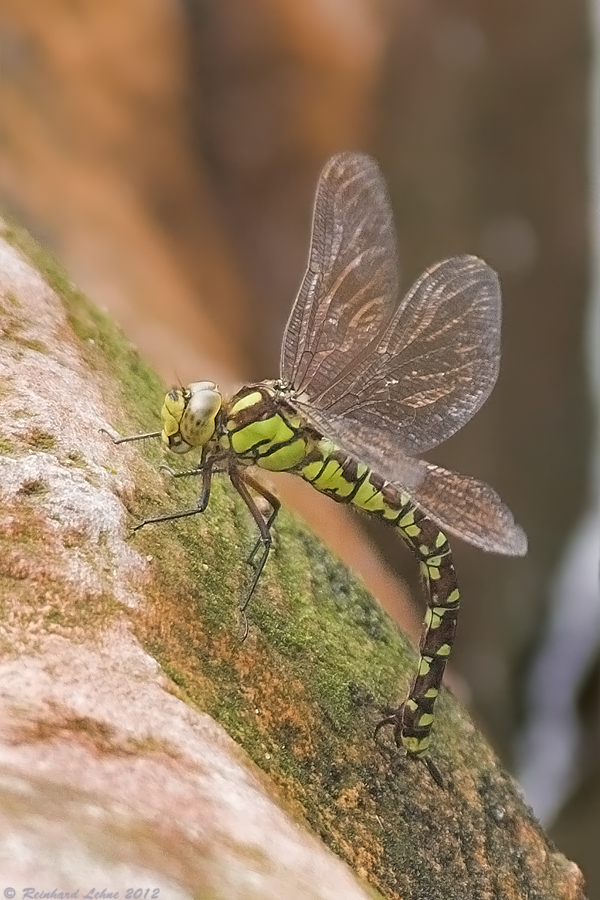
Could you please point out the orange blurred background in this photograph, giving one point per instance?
(167, 152)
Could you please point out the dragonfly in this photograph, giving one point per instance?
(367, 382)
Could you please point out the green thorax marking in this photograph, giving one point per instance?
(264, 430)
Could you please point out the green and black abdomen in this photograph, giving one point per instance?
(348, 481)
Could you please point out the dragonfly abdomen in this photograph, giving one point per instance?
(414, 718)
(344, 479)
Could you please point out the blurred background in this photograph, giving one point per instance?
(167, 152)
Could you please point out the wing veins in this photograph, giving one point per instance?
(351, 348)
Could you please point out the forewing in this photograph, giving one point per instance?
(350, 288)
(433, 366)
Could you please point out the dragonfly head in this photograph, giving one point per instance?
(188, 416)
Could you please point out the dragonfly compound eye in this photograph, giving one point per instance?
(188, 416)
(171, 414)
(202, 403)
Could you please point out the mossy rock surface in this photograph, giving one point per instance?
(156, 616)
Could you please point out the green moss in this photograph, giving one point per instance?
(11, 329)
(26, 545)
(33, 487)
(38, 346)
(6, 387)
(75, 459)
(6, 446)
(39, 439)
(55, 616)
(171, 672)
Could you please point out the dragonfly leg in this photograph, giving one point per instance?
(185, 474)
(273, 502)
(434, 771)
(242, 483)
(131, 437)
(395, 717)
(200, 469)
(206, 472)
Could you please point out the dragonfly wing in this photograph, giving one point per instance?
(470, 509)
(433, 366)
(350, 288)
(458, 503)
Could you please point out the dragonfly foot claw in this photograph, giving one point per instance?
(392, 717)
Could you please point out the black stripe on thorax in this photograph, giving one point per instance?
(258, 412)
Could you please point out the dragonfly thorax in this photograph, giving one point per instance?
(188, 416)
